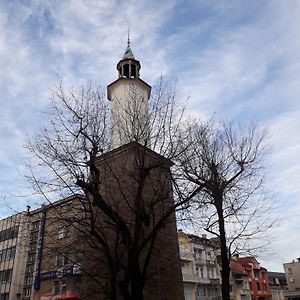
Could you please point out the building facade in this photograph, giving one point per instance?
(257, 278)
(292, 273)
(13, 245)
(239, 283)
(278, 285)
(199, 267)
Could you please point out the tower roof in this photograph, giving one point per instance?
(128, 52)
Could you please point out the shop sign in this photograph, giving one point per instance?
(66, 295)
(63, 272)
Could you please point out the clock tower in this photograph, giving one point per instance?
(129, 95)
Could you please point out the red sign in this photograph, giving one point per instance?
(62, 296)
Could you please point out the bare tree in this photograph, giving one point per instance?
(127, 209)
(227, 161)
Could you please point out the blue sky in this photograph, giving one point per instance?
(237, 59)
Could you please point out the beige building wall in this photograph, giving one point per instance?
(292, 272)
(13, 231)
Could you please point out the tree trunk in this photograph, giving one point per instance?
(224, 254)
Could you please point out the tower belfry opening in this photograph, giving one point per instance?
(128, 66)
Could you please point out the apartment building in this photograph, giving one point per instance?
(239, 285)
(257, 278)
(13, 245)
(292, 273)
(201, 277)
(278, 285)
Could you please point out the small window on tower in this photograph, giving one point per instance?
(126, 71)
(133, 71)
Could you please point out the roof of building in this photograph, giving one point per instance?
(128, 54)
(237, 267)
(135, 146)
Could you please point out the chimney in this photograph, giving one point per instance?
(28, 209)
(204, 236)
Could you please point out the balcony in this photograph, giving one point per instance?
(215, 281)
(200, 260)
(195, 279)
(208, 297)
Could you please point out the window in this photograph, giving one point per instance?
(34, 236)
(201, 273)
(201, 292)
(59, 287)
(56, 287)
(198, 252)
(8, 253)
(28, 280)
(31, 257)
(29, 268)
(64, 232)
(35, 225)
(77, 286)
(258, 286)
(210, 273)
(26, 292)
(79, 256)
(9, 233)
(32, 247)
(63, 287)
(5, 275)
(290, 270)
(4, 296)
(62, 259)
(65, 208)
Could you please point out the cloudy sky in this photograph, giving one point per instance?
(237, 59)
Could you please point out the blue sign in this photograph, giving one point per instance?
(63, 272)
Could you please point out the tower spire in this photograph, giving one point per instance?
(128, 52)
(128, 40)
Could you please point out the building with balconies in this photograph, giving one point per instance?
(239, 285)
(257, 278)
(201, 277)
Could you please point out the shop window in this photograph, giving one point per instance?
(77, 286)
(56, 287)
(63, 287)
